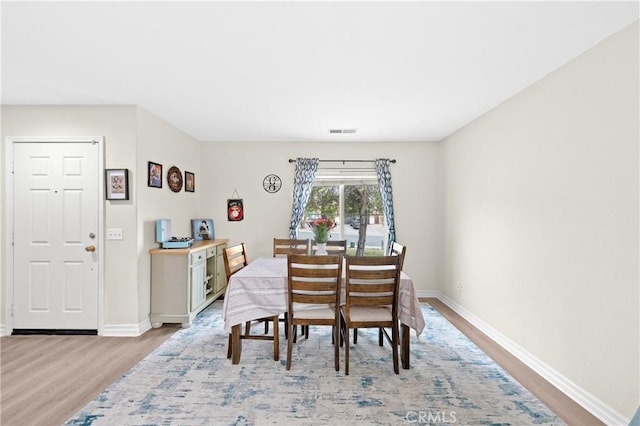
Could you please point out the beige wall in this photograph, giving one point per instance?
(541, 220)
(162, 143)
(132, 137)
(228, 167)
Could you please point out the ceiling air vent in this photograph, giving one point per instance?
(340, 131)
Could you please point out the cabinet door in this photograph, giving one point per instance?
(220, 276)
(198, 284)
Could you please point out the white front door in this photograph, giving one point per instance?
(56, 207)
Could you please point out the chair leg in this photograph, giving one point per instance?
(276, 339)
(336, 347)
(394, 347)
(380, 336)
(247, 328)
(346, 349)
(229, 347)
(286, 325)
(266, 327)
(289, 344)
(355, 336)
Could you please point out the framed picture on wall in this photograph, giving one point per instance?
(155, 175)
(202, 229)
(189, 182)
(117, 184)
(235, 210)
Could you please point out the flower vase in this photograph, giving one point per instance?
(322, 249)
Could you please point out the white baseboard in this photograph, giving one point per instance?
(111, 330)
(589, 402)
(428, 293)
(126, 330)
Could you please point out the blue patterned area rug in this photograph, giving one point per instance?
(188, 380)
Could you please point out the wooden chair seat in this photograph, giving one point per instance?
(368, 314)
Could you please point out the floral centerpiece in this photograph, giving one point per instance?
(321, 228)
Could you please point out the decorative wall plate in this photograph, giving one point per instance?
(272, 183)
(174, 179)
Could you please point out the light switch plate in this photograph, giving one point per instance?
(114, 234)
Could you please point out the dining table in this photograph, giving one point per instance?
(260, 290)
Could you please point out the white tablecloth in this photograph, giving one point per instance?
(260, 290)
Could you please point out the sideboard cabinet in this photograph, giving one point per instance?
(185, 281)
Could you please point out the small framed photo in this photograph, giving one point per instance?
(189, 182)
(202, 229)
(155, 175)
(117, 184)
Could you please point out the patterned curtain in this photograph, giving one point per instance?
(384, 182)
(305, 175)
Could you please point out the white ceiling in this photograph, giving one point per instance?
(290, 71)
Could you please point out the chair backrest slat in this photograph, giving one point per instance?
(372, 281)
(314, 279)
(400, 250)
(235, 258)
(285, 246)
(333, 246)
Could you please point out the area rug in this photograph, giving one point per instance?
(188, 380)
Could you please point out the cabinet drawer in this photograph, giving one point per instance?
(198, 256)
(216, 251)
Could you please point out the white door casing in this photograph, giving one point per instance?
(56, 208)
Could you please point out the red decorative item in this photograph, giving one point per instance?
(235, 211)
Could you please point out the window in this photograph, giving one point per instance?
(352, 200)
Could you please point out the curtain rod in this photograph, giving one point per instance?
(291, 160)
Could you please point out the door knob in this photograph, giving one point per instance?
(90, 248)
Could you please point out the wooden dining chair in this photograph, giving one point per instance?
(371, 300)
(235, 258)
(398, 249)
(314, 281)
(285, 246)
(333, 247)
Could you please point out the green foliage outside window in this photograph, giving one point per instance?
(360, 201)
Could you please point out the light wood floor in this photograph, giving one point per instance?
(44, 380)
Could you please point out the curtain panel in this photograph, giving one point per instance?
(306, 169)
(384, 182)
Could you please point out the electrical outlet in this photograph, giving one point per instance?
(114, 234)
